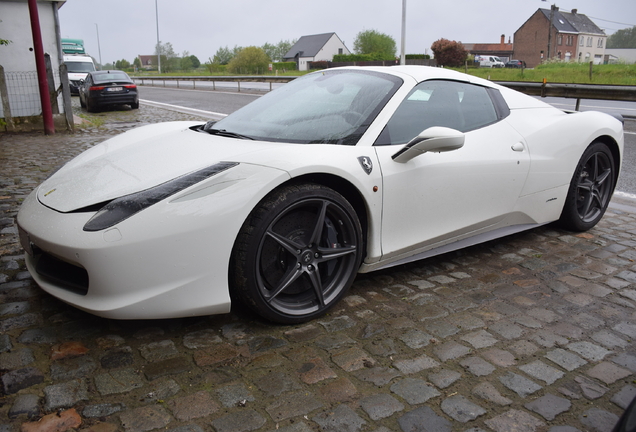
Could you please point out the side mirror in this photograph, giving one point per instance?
(434, 139)
(81, 81)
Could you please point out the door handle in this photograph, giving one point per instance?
(519, 147)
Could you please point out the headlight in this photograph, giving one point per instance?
(122, 208)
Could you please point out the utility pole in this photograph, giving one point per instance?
(43, 84)
(99, 48)
(402, 54)
(158, 46)
(553, 9)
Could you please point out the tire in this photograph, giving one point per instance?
(90, 107)
(590, 190)
(134, 105)
(297, 253)
(82, 104)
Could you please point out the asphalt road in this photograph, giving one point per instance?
(217, 104)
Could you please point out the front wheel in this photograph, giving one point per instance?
(297, 253)
(591, 189)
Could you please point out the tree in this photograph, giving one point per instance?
(282, 47)
(122, 64)
(278, 51)
(250, 60)
(169, 60)
(137, 63)
(223, 56)
(4, 41)
(185, 62)
(625, 38)
(270, 50)
(376, 43)
(449, 53)
(195, 61)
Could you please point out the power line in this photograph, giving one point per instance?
(613, 22)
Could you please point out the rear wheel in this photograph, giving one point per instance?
(591, 189)
(134, 105)
(297, 253)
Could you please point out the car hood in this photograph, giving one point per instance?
(138, 160)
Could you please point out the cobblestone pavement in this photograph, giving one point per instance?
(533, 332)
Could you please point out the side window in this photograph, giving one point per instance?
(451, 104)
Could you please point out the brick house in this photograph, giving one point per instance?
(571, 37)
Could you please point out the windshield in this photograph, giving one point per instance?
(332, 107)
(74, 66)
(107, 77)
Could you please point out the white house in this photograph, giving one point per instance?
(18, 60)
(15, 25)
(320, 47)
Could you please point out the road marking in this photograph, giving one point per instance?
(629, 133)
(182, 109)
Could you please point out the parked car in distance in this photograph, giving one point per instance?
(516, 64)
(104, 88)
(489, 61)
(77, 65)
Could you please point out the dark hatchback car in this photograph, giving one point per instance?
(516, 64)
(104, 88)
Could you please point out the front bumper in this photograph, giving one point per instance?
(170, 260)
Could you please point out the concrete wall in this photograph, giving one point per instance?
(19, 56)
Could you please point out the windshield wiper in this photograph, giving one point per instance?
(223, 132)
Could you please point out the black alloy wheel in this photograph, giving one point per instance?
(297, 254)
(591, 189)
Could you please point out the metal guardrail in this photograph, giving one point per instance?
(570, 91)
(214, 79)
(574, 91)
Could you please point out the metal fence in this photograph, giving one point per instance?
(24, 94)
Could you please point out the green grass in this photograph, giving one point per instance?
(561, 72)
(577, 73)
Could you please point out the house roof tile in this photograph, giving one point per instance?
(309, 46)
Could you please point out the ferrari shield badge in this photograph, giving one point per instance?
(365, 162)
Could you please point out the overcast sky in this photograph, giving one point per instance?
(128, 28)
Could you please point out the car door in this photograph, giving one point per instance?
(437, 198)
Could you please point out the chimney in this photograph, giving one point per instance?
(574, 11)
(503, 39)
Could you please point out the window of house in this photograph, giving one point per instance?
(589, 41)
(600, 43)
(339, 50)
(569, 40)
(452, 104)
(560, 40)
(581, 41)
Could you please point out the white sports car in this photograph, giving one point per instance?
(283, 202)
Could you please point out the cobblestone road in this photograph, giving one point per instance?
(533, 332)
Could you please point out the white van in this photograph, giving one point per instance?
(489, 61)
(78, 66)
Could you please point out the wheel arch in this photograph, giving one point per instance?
(611, 143)
(345, 188)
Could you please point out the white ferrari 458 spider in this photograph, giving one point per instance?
(281, 204)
